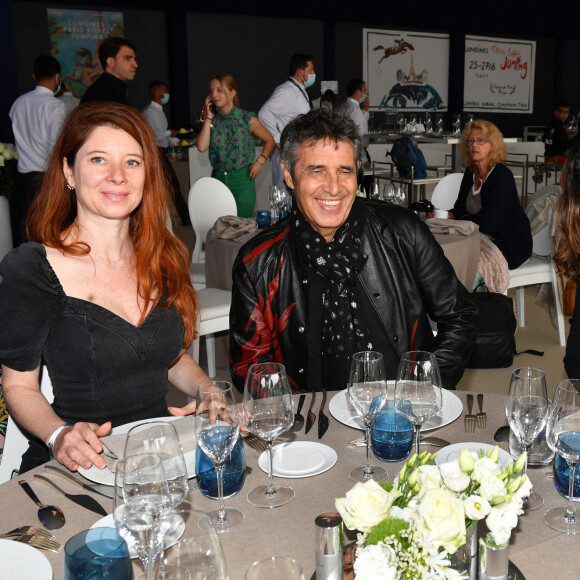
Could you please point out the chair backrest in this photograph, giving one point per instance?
(208, 200)
(446, 191)
(16, 441)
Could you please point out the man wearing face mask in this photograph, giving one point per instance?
(288, 100)
(165, 137)
(155, 116)
(356, 89)
(37, 117)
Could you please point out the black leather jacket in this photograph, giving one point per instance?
(406, 277)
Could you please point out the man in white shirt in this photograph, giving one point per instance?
(356, 89)
(155, 116)
(288, 100)
(37, 117)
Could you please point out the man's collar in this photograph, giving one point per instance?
(299, 81)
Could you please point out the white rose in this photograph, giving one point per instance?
(365, 505)
(428, 477)
(476, 507)
(374, 563)
(525, 489)
(492, 487)
(443, 514)
(453, 476)
(483, 467)
(501, 521)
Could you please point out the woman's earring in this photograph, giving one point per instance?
(69, 186)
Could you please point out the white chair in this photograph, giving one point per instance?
(16, 441)
(208, 200)
(446, 191)
(214, 316)
(539, 269)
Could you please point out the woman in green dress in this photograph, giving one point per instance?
(228, 132)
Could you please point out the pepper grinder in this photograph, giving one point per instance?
(328, 547)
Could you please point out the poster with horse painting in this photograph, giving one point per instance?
(406, 70)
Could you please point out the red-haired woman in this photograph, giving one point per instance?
(101, 293)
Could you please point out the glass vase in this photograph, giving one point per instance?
(464, 560)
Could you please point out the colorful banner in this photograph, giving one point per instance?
(499, 75)
(75, 36)
(406, 70)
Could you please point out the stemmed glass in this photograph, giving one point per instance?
(218, 431)
(401, 122)
(563, 436)
(439, 124)
(418, 393)
(268, 412)
(527, 412)
(389, 193)
(428, 124)
(160, 437)
(277, 197)
(456, 124)
(367, 390)
(375, 192)
(400, 196)
(142, 506)
(413, 122)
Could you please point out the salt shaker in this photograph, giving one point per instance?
(328, 547)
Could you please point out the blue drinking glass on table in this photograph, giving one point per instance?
(234, 472)
(95, 554)
(391, 434)
(263, 219)
(562, 478)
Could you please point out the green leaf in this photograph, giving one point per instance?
(388, 527)
(386, 485)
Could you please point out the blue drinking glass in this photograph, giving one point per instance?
(97, 553)
(562, 478)
(263, 219)
(234, 472)
(391, 434)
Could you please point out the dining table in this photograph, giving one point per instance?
(537, 550)
(461, 250)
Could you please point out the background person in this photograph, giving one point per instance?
(228, 132)
(342, 274)
(101, 293)
(555, 137)
(488, 195)
(37, 117)
(288, 100)
(117, 57)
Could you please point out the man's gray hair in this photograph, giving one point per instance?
(313, 127)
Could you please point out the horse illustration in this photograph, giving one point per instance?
(399, 46)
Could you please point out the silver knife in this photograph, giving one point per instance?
(106, 490)
(84, 500)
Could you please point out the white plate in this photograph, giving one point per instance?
(107, 477)
(23, 562)
(299, 459)
(451, 409)
(452, 452)
(171, 537)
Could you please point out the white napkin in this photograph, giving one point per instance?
(447, 226)
(114, 445)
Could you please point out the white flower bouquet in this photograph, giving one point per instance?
(8, 171)
(412, 527)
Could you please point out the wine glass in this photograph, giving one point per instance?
(389, 193)
(428, 123)
(439, 123)
(401, 122)
(375, 192)
(367, 390)
(268, 412)
(527, 412)
(563, 436)
(276, 567)
(456, 124)
(277, 197)
(161, 437)
(413, 123)
(218, 432)
(400, 196)
(142, 506)
(198, 551)
(418, 393)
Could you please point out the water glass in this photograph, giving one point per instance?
(97, 553)
(234, 472)
(263, 219)
(391, 434)
(562, 478)
(275, 567)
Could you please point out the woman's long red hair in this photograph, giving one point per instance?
(162, 261)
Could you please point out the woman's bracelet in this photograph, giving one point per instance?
(258, 161)
(265, 158)
(210, 119)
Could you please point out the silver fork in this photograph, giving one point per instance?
(37, 542)
(481, 416)
(255, 442)
(469, 420)
(31, 531)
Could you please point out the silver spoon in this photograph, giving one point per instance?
(435, 441)
(50, 516)
(502, 434)
(298, 418)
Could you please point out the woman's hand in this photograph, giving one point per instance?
(80, 446)
(189, 409)
(255, 169)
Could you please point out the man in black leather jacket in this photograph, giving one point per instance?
(342, 274)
